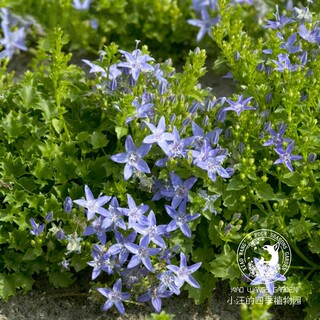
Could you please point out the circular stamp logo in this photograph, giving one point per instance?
(263, 251)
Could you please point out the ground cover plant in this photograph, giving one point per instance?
(126, 167)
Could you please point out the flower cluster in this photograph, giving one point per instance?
(278, 141)
(293, 44)
(204, 149)
(293, 57)
(138, 250)
(128, 71)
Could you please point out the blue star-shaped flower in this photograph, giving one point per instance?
(12, 41)
(92, 205)
(180, 189)
(312, 36)
(159, 135)
(136, 63)
(148, 228)
(113, 217)
(102, 261)
(142, 253)
(155, 294)
(205, 24)
(285, 156)
(132, 158)
(97, 228)
(119, 248)
(183, 273)
(239, 105)
(134, 213)
(277, 138)
(142, 110)
(289, 44)
(36, 228)
(180, 219)
(280, 22)
(283, 63)
(115, 297)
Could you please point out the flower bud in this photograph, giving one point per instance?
(312, 157)
(254, 218)
(49, 216)
(67, 205)
(236, 216)
(269, 97)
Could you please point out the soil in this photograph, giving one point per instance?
(45, 302)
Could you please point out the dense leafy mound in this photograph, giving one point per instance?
(128, 167)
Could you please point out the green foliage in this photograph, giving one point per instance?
(161, 316)
(255, 312)
(59, 127)
(284, 200)
(57, 134)
(160, 24)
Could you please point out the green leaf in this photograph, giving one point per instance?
(50, 150)
(79, 262)
(224, 266)
(61, 279)
(204, 255)
(7, 286)
(27, 93)
(65, 168)
(12, 259)
(30, 254)
(302, 287)
(18, 239)
(57, 125)
(83, 136)
(121, 132)
(264, 191)
(6, 215)
(300, 229)
(314, 244)
(42, 170)
(313, 311)
(13, 166)
(4, 234)
(309, 198)
(213, 234)
(27, 183)
(35, 201)
(207, 282)
(231, 199)
(252, 176)
(48, 109)
(235, 183)
(161, 316)
(98, 140)
(292, 179)
(14, 125)
(51, 204)
(22, 280)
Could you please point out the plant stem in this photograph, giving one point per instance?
(302, 256)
